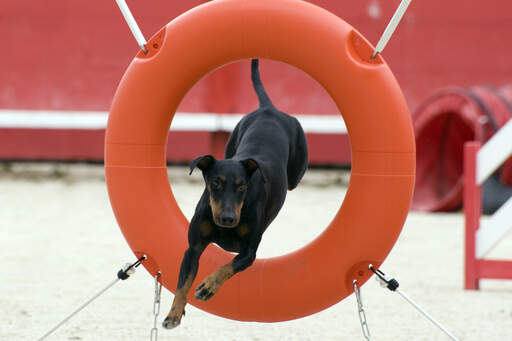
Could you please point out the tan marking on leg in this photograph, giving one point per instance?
(214, 281)
(178, 305)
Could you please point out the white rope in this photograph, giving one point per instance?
(392, 284)
(427, 315)
(390, 29)
(123, 274)
(130, 20)
(78, 310)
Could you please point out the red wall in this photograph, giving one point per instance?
(71, 54)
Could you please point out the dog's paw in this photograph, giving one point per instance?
(207, 288)
(172, 320)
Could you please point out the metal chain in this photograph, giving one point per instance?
(156, 308)
(362, 314)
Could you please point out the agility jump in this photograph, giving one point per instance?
(366, 93)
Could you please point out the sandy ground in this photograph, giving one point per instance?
(60, 244)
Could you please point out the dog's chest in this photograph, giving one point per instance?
(232, 239)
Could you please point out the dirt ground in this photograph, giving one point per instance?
(60, 244)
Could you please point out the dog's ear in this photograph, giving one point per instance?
(202, 162)
(250, 166)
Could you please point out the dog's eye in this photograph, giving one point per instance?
(216, 184)
(242, 188)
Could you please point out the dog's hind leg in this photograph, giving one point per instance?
(298, 161)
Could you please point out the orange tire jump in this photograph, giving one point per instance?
(376, 115)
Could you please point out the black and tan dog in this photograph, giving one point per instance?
(265, 155)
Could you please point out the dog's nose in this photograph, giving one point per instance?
(227, 219)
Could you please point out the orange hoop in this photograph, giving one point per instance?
(378, 122)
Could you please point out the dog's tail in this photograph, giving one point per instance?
(258, 86)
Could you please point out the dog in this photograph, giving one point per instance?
(265, 156)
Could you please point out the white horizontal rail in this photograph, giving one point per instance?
(494, 153)
(29, 119)
(37, 119)
(494, 230)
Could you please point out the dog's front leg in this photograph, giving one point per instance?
(188, 272)
(214, 281)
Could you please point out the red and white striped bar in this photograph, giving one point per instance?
(479, 163)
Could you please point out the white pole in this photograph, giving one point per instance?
(130, 20)
(388, 32)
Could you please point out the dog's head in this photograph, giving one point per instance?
(227, 182)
